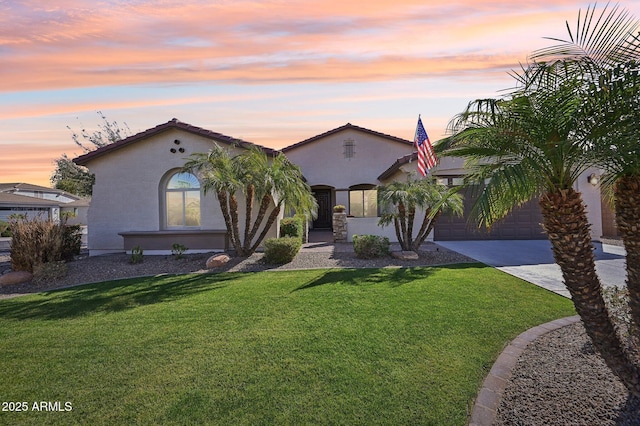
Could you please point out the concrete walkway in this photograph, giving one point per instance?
(532, 260)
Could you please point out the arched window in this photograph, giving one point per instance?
(182, 201)
(363, 201)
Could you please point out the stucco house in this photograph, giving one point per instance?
(141, 198)
(342, 166)
(523, 223)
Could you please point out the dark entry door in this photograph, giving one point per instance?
(323, 197)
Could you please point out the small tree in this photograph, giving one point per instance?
(70, 177)
(404, 199)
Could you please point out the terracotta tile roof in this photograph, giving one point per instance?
(172, 124)
(345, 127)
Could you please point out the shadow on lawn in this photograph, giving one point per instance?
(396, 277)
(113, 296)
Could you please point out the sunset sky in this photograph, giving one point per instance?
(273, 72)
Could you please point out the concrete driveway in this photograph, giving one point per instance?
(532, 260)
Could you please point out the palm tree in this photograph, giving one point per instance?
(271, 181)
(405, 198)
(274, 182)
(606, 52)
(534, 142)
(616, 150)
(219, 173)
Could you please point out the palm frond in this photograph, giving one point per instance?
(599, 40)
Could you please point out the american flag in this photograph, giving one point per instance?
(426, 156)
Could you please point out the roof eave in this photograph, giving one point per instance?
(345, 127)
(84, 159)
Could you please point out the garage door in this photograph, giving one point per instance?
(522, 223)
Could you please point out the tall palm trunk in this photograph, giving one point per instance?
(248, 213)
(410, 219)
(235, 229)
(627, 195)
(270, 221)
(396, 225)
(223, 199)
(565, 222)
(262, 210)
(402, 213)
(425, 229)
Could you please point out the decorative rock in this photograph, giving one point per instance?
(405, 255)
(15, 277)
(217, 261)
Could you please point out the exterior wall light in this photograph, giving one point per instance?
(593, 179)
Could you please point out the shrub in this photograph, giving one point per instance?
(291, 227)
(178, 250)
(5, 229)
(281, 250)
(137, 255)
(71, 241)
(370, 246)
(305, 226)
(35, 241)
(50, 271)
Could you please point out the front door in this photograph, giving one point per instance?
(324, 220)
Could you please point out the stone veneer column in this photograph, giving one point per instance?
(340, 227)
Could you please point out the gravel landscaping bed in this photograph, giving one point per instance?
(87, 269)
(560, 380)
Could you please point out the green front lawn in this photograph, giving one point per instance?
(370, 346)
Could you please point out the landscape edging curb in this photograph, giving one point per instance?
(484, 408)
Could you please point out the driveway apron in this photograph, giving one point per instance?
(532, 260)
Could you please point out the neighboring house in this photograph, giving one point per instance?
(39, 201)
(77, 211)
(141, 197)
(12, 204)
(36, 191)
(34, 200)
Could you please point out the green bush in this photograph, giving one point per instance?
(370, 246)
(178, 250)
(137, 255)
(305, 228)
(291, 227)
(5, 229)
(281, 250)
(71, 241)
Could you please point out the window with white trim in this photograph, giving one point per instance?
(182, 201)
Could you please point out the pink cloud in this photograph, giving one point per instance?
(86, 44)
